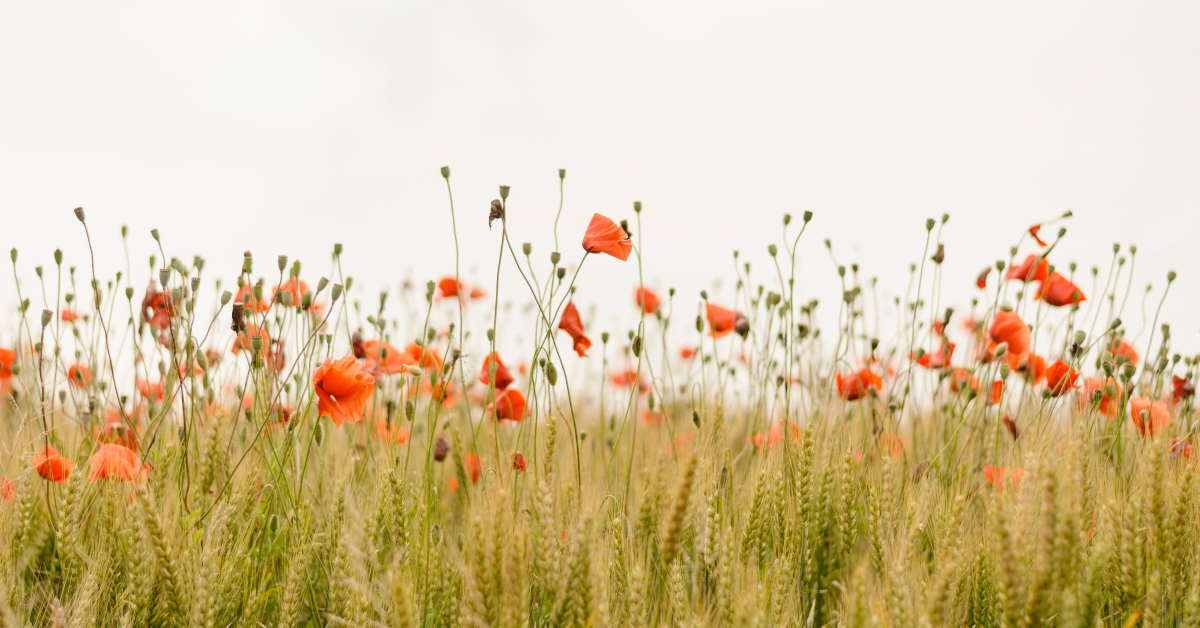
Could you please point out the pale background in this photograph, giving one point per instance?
(283, 127)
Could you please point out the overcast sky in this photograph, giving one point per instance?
(283, 127)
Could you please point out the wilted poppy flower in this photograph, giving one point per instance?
(645, 298)
(8, 491)
(1182, 388)
(245, 296)
(518, 462)
(79, 375)
(502, 378)
(1007, 327)
(999, 476)
(449, 287)
(855, 386)
(1121, 349)
(1103, 393)
(441, 447)
(471, 462)
(1034, 268)
(68, 315)
(114, 462)
(1011, 426)
(1033, 231)
(383, 358)
(51, 465)
(150, 390)
(1057, 290)
(1060, 378)
(571, 323)
(510, 405)
(343, 389)
(1149, 416)
(605, 236)
(157, 309)
(981, 279)
(721, 320)
(391, 431)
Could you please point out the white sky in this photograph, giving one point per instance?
(283, 127)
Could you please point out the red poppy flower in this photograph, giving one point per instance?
(721, 320)
(1031, 365)
(1122, 349)
(981, 279)
(115, 462)
(426, 357)
(52, 466)
(1103, 392)
(605, 236)
(502, 378)
(687, 353)
(1033, 231)
(1060, 378)
(1181, 388)
(628, 378)
(510, 405)
(773, 437)
(518, 462)
(449, 287)
(157, 309)
(8, 491)
(8, 358)
(477, 293)
(343, 389)
(1007, 327)
(855, 386)
(383, 358)
(1034, 268)
(68, 315)
(1149, 416)
(996, 476)
(471, 462)
(1057, 290)
(391, 432)
(79, 375)
(245, 296)
(936, 360)
(570, 323)
(645, 298)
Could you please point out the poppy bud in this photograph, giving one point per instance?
(554, 257)
(336, 293)
(164, 277)
(772, 250)
(282, 262)
(551, 373)
(526, 248)
(58, 257)
(1001, 349)
(318, 432)
(787, 219)
(699, 324)
(1170, 276)
(129, 292)
(929, 223)
(637, 346)
(604, 337)
(410, 410)
(562, 173)
(12, 254)
(79, 214)
(945, 218)
(562, 272)
(445, 172)
(441, 448)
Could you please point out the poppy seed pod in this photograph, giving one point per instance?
(337, 249)
(637, 207)
(47, 316)
(282, 261)
(247, 262)
(787, 219)
(441, 448)
(562, 173)
(496, 212)
(58, 257)
(445, 172)
(808, 215)
(336, 293)
(504, 192)
(526, 248)
(741, 325)
(929, 224)
(79, 214)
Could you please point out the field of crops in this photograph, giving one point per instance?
(286, 447)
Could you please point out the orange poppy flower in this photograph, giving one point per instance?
(343, 389)
(1149, 415)
(605, 236)
(295, 287)
(1057, 290)
(1060, 378)
(391, 432)
(891, 444)
(477, 293)
(937, 360)
(383, 358)
(157, 309)
(8, 491)
(471, 462)
(981, 278)
(245, 296)
(1008, 327)
(8, 358)
(1121, 349)
(652, 417)
(426, 357)
(774, 436)
(510, 405)
(52, 466)
(855, 386)
(961, 379)
(449, 287)
(502, 378)
(1033, 231)
(1031, 365)
(117, 433)
(1034, 268)
(114, 462)
(628, 378)
(518, 462)
(996, 476)
(245, 339)
(1103, 392)
(687, 353)
(571, 323)
(645, 298)
(68, 315)
(721, 320)
(150, 390)
(79, 375)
